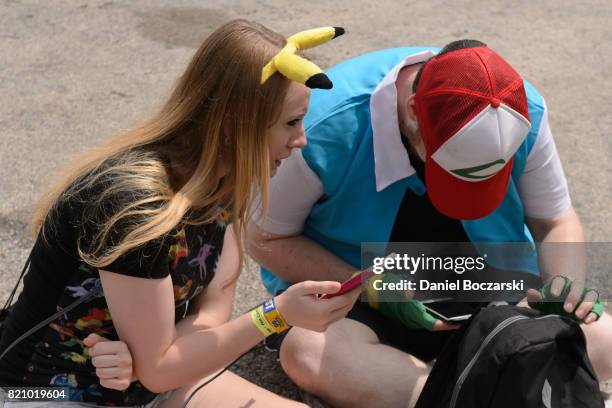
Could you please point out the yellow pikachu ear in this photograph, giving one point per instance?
(268, 70)
(297, 68)
(317, 36)
(301, 70)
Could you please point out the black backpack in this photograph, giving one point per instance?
(514, 357)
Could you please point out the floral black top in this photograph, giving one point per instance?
(56, 355)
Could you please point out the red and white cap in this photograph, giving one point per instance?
(472, 112)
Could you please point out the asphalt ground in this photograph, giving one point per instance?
(72, 73)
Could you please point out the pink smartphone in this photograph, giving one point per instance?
(351, 284)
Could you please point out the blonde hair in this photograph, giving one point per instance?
(217, 115)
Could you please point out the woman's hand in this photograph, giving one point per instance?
(113, 362)
(301, 306)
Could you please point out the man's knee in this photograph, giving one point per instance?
(599, 347)
(300, 356)
(310, 359)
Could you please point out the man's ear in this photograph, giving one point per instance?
(411, 107)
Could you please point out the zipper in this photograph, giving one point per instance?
(466, 371)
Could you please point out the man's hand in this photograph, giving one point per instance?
(569, 298)
(400, 306)
(413, 314)
(113, 362)
(439, 325)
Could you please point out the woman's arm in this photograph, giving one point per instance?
(213, 306)
(166, 359)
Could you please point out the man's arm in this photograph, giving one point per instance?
(561, 244)
(295, 258)
(553, 221)
(548, 209)
(563, 228)
(562, 252)
(276, 241)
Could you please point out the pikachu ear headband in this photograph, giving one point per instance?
(299, 69)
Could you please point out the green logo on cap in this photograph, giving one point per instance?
(467, 172)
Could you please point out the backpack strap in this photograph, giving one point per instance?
(9, 301)
(95, 291)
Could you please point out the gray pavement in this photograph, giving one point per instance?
(72, 73)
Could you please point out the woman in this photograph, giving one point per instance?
(145, 215)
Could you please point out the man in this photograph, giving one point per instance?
(412, 145)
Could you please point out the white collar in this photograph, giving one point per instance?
(391, 163)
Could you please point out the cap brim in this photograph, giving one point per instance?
(465, 200)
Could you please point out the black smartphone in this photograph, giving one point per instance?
(449, 311)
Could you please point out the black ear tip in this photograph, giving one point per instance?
(320, 81)
(338, 31)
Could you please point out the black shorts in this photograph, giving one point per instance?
(421, 343)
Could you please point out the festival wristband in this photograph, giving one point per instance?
(550, 305)
(274, 317)
(259, 320)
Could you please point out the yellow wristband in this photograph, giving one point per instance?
(259, 320)
(274, 317)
